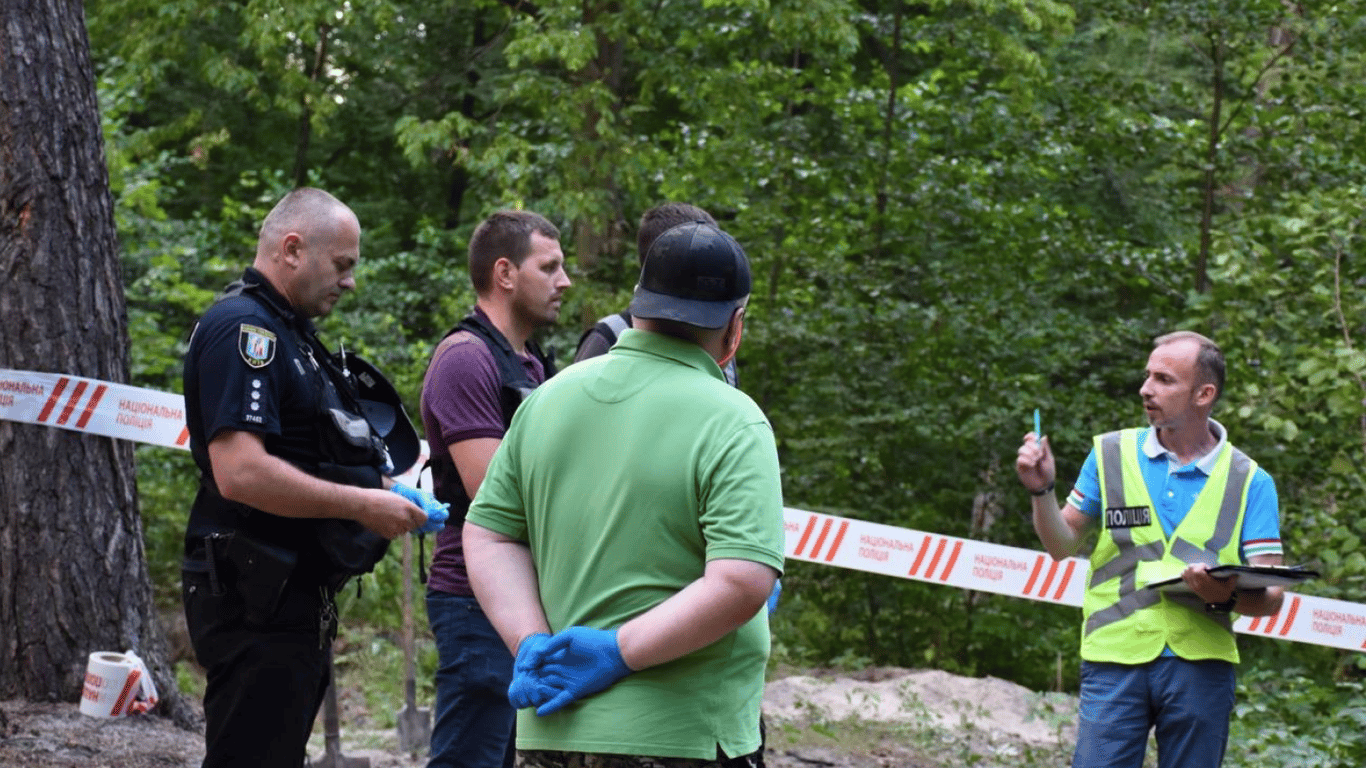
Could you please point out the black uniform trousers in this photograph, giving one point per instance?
(266, 680)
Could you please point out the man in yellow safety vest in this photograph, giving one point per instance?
(1172, 499)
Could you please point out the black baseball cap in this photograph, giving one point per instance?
(694, 274)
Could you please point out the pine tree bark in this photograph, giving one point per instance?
(73, 574)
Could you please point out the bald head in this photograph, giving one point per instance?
(307, 248)
(300, 211)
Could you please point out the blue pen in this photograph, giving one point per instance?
(1038, 431)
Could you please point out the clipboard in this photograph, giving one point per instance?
(1249, 577)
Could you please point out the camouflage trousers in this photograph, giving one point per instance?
(544, 758)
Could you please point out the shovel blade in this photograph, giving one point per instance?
(332, 760)
(414, 728)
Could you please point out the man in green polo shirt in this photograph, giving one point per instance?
(634, 510)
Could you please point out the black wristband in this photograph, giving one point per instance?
(1224, 607)
(1046, 489)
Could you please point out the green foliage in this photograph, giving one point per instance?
(370, 677)
(1316, 726)
(957, 211)
(1287, 294)
(370, 661)
(881, 621)
(167, 481)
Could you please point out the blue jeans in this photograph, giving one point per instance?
(474, 721)
(1188, 702)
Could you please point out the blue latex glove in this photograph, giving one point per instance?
(580, 661)
(437, 513)
(773, 596)
(528, 689)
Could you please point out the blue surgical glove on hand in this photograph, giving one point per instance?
(437, 513)
(580, 661)
(528, 689)
(773, 596)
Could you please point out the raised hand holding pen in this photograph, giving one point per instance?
(1060, 527)
(1034, 462)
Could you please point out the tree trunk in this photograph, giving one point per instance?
(315, 73)
(1215, 133)
(892, 63)
(599, 233)
(73, 576)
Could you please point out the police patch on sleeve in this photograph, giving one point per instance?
(256, 344)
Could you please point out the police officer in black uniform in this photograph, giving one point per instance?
(293, 480)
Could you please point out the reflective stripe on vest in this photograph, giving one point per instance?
(1127, 557)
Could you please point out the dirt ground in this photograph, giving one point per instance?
(875, 718)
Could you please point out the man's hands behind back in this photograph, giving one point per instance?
(551, 672)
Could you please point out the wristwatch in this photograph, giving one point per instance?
(1225, 607)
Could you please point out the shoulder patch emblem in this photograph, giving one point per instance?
(256, 344)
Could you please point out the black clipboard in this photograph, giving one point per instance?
(1249, 577)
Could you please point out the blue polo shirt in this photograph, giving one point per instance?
(1173, 488)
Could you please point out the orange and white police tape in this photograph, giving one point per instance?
(97, 407)
(101, 408)
(967, 564)
(158, 418)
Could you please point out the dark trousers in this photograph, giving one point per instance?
(475, 724)
(265, 680)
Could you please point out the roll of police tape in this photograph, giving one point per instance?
(116, 684)
(149, 416)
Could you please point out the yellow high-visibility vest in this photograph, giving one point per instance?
(1122, 621)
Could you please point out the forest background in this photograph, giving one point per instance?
(957, 211)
